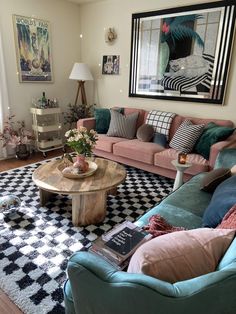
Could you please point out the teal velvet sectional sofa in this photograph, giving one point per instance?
(96, 287)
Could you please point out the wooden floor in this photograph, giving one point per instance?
(8, 164)
(6, 305)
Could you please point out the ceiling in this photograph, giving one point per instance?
(83, 1)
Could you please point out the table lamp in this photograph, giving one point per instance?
(81, 73)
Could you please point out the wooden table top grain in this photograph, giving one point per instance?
(108, 175)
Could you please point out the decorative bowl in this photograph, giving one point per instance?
(70, 174)
(8, 202)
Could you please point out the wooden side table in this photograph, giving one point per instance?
(180, 171)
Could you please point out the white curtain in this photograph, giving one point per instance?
(4, 100)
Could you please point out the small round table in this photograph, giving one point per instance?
(180, 171)
(89, 195)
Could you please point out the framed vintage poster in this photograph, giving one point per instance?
(33, 49)
(182, 53)
(110, 64)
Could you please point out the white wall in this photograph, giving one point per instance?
(64, 21)
(113, 90)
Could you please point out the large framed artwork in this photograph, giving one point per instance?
(33, 49)
(182, 53)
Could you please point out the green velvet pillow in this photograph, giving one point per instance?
(212, 134)
(103, 117)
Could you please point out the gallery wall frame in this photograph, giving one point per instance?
(111, 64)
(182, 53)
(33, 49)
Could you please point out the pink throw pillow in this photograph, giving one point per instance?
(229, 220)
(181, 255)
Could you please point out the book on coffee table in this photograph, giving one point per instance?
(118, 245)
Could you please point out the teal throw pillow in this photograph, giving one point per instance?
(103, 117)
(212, 134)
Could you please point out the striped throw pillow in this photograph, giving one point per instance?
(186, 136)
(123, 126)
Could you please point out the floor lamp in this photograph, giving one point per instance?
(81, 73)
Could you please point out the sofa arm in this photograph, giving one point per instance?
(217, 147)
(88, 123)
(97, 287)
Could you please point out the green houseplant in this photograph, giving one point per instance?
(76, 112)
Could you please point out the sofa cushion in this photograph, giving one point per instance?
(136, 150)
(141, 115)
(161, 121)
(213, 178)
(181, 255)
(123, 126)
(212, 134)
(105, 142)
(175, 215)
(103, 117)
(145, 133)
(164, 158)
(222, 200)
(187, 213)
(186, 136)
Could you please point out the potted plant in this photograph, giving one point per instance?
(16, 136)
(76, 112)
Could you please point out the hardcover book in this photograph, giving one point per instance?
(118, 245)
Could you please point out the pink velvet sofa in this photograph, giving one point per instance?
(150, 156)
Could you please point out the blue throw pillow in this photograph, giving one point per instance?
(160, 139)
(222, 200)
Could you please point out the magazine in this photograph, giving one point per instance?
(118, 245)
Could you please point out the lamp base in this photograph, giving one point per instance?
(83, 95)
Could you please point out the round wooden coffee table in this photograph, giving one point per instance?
(89, 195)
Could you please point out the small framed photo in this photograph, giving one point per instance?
(110, 64)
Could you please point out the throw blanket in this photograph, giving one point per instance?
(229, 220)
(158, 226)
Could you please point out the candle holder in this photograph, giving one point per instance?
(182, 158)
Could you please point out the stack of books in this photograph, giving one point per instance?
(118, 245)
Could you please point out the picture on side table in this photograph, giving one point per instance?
(33, 49)
(182, 53)
(110, 64)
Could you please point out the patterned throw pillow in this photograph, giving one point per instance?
(161, 121)
(186, 136)
(123, 126)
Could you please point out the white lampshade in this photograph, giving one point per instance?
(81, 72)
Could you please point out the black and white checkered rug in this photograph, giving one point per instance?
(36, 242)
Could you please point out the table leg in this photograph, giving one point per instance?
(44, 196)
(89, 208)
(112, 191)
(178, 180)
